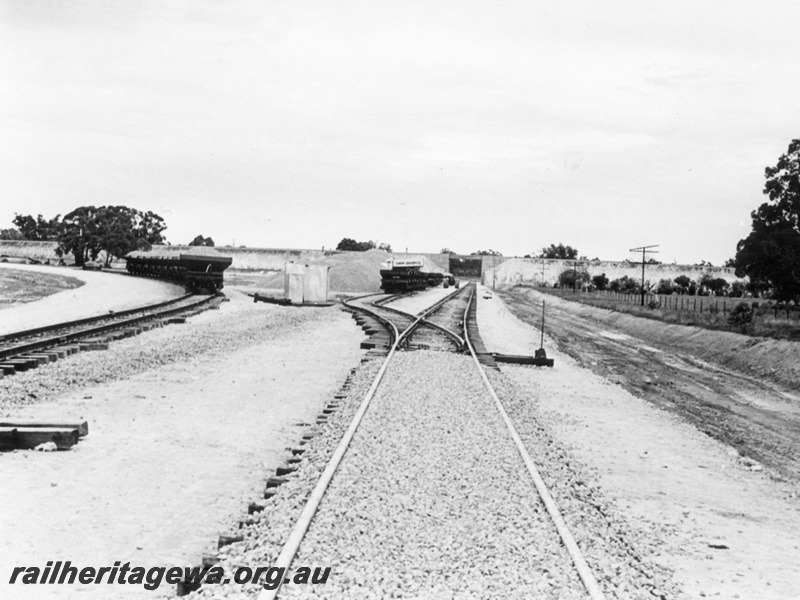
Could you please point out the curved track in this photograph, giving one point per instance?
(15, 347)
(403, 327)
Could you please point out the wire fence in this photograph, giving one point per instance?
(769, 318)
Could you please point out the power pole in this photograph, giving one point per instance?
(644, 250)
(574, 275)
(542, 272)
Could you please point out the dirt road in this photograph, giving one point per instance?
(757, 417)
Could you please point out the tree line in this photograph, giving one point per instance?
(706, 285)
(769, 256)
(350, 245)
(89, 231)
(92, 232)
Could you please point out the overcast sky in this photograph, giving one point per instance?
(507, 125)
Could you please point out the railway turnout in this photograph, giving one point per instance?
(422, 493)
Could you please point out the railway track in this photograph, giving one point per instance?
(424, 481)
(27, 349)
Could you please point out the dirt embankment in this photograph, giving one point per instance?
(775, 360)
(739, 390)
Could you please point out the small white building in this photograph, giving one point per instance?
(305, 283)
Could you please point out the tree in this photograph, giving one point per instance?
(446, 250)
(770, 255)
(148, 226)
(665, 287)
(683, 283)
(574, 278)
(38, 229)
(349, 244)
(600, 281)
(625, 285)
(741, 316)
(202, 241)
(10, 234)
(719, 286)
(560, 251)
(713, 285)
(489, 252)
(116, 230)
(77, 236)
(738, 289)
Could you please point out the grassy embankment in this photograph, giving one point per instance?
(26, 286)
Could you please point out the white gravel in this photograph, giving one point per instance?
(431, 500)
(686, 501)
(265, 536)
(185, 425)
(621, 556)
(101, 293)
(418, 301)
(234, 327)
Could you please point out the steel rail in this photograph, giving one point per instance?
(66, 324)
(387, 299)
(429, 311)
(388, 325)
(84, 333)
(292, 544)
(584, 571)
(380, 303)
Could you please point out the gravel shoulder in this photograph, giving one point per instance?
(186, 423)
(723, 529)
(100, 293)
(684, 370)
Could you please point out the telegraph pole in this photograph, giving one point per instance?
(574, 275)
(644, 250)
(543, 272)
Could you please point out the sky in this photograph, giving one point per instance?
(504, 125)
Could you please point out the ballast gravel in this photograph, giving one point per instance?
(236, 325)
(621, 556)
(265, 532)
(431, 500)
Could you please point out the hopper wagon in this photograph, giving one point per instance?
(197, 272)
